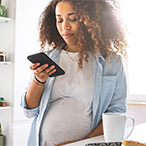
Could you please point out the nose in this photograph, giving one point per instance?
(66, 25)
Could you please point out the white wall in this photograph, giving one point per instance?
(26, 35)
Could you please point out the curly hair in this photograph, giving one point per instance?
(101, 29)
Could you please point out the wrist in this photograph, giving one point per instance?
(40, 82)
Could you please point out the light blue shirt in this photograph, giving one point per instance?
(110, 92)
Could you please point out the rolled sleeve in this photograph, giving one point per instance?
(29, 113)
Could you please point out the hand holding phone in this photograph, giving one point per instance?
(42, 58)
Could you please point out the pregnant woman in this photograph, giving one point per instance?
(87, 41)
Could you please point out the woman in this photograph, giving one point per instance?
(85, 37)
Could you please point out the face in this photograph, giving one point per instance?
(67, 22)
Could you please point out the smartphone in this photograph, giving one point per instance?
(42, 58)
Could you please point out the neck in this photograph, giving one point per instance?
(71, 48)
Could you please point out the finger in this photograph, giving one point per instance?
(51, 72)
(34, 66)
(47, 70)
(40, 69)
(43, 75)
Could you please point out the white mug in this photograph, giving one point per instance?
(114, 126)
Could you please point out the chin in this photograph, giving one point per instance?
(71, 42)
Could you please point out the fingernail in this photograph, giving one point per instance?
(45, 65)
(52, 66)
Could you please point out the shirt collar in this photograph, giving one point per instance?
(99, 56)
(57, 51)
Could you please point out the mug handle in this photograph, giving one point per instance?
(133, 124)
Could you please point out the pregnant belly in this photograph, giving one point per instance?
(65, 121)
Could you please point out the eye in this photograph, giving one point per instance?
(72, 20)
(59, 21)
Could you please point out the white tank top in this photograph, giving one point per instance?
(70, 112)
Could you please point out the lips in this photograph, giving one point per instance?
(67, 35)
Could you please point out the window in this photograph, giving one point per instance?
(134, 14)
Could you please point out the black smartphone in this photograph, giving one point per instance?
(42, 58)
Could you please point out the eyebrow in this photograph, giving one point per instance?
(70, 14)
(67, 14)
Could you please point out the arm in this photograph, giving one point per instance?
(97, 131)
(34, 93)
(119, 100)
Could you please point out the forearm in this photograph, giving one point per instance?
(97, 131)
(33, 95)
(35, 91)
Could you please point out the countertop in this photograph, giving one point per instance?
(138, 134)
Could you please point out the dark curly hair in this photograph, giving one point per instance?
(101, 30)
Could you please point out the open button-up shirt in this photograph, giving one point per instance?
(110, 91)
